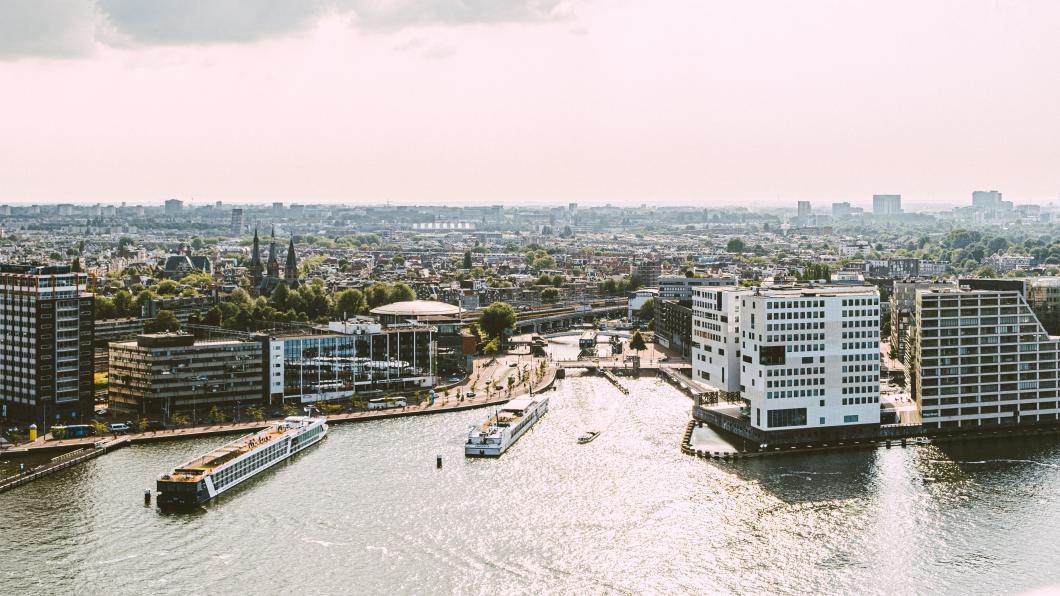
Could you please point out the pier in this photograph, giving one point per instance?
(75, 451)
(61, 462)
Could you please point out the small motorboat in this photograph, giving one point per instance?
(589, 436)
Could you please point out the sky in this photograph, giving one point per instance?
(456, 102)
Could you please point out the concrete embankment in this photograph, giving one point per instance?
(75, 451)
(61, 462)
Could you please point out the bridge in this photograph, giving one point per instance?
(561, 318)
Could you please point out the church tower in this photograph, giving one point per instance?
(255, 269)
(290, 270)
(273, 268)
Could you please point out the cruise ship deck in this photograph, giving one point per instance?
(193, 470)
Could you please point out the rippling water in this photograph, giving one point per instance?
(367, 512)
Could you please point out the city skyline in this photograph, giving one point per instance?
(545, 102)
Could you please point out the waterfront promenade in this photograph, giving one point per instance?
(491, 374)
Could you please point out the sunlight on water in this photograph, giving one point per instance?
(367, 512)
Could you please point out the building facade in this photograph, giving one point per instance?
(673, 325)
(157, 376)
(351, 357)
(982, 359)
(800, 358)
(46, 352)
(886, 204)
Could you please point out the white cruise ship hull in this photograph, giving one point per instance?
(478, 446)
(175, 496)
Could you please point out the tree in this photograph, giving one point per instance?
(167, 287)
(349, 303)
(636, 343)
(467, 259)
(179, 420)
(815, 271)
(497, 317)
(280, 297)
(400, 292)
(142, 425)
(736, 245)
(549, 295)
(76, 266)
(647, 311)
(164, 321)
(217, 415)
(290, 410)
(544, 262)
(105, 308)
(99, 427)
(493, 347)
(124, 305)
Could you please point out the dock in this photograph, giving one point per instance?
(74, 451)
(61, 462)
(610, 376)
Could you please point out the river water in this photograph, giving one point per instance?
(367, 512)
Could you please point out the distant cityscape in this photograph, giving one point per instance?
(815, 325)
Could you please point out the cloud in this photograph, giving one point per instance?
(70, 28)
(425, 48)
(52, 28)
(397, 14)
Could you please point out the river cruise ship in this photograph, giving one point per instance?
(497, 434)
(207, 476)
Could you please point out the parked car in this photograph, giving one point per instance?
(118, 427)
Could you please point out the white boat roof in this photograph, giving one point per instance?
(518, 404)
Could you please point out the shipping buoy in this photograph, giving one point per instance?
(147, 496)
(438, 462)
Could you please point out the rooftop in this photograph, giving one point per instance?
(417, 308)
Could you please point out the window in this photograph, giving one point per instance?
(787, 417)
(850, 418)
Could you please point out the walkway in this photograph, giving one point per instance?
(451, 404)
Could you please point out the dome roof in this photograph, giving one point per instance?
(417, 308)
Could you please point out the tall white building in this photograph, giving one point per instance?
(982, 359)
(799, 357)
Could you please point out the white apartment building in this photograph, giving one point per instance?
(983, 359)
(799, 357)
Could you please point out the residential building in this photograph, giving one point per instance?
(46, 352)
(237, 225)
(986, 199)
(903, 308)
(679, 287)
(1005, 263)
(648, 271)
(673, 325)
(804, 360)
(1044, 298)
(982, 359)
(174, 207)
(886, 204)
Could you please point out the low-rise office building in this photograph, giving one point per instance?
(350, 357)
(157, 376)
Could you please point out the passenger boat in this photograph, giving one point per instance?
(496, 435)
(207, 476)
(589, 436)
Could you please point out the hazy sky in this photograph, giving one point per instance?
(468, 101)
